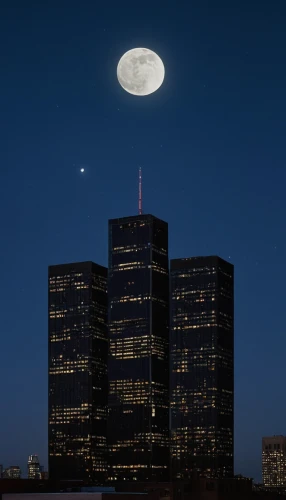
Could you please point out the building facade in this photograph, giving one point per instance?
(34, 468)
(138, 367)
(274, 461)
(202, 367)
(12, 472)
(78, 349)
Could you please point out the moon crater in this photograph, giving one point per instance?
(140, 71)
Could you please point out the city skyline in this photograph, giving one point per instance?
(211, 146)
(172, 263)
(110, 408)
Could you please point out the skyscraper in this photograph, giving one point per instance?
(78, 347)
(138, 366)
(34, 468)
(202, 367)
(274, 461)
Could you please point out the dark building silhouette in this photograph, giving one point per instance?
(202, 367)
(138, 366)
(78, 348)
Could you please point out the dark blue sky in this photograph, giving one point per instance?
(211, 143)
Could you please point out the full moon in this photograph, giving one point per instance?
(140, 71)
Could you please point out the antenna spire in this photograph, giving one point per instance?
(140, 192)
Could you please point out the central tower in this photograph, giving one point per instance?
(138, 368)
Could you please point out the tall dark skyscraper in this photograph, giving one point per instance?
(78, 348)
(202, 367)
(138, 367)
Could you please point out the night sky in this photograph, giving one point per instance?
(211, 144)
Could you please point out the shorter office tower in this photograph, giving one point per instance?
(78, 348)
(34, 468)
(12, 472)
(274, 461)
(202, 367)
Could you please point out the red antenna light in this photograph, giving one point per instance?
(140, 192)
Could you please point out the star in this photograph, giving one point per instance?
(82, 170)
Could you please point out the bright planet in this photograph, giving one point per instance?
(140, 71)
